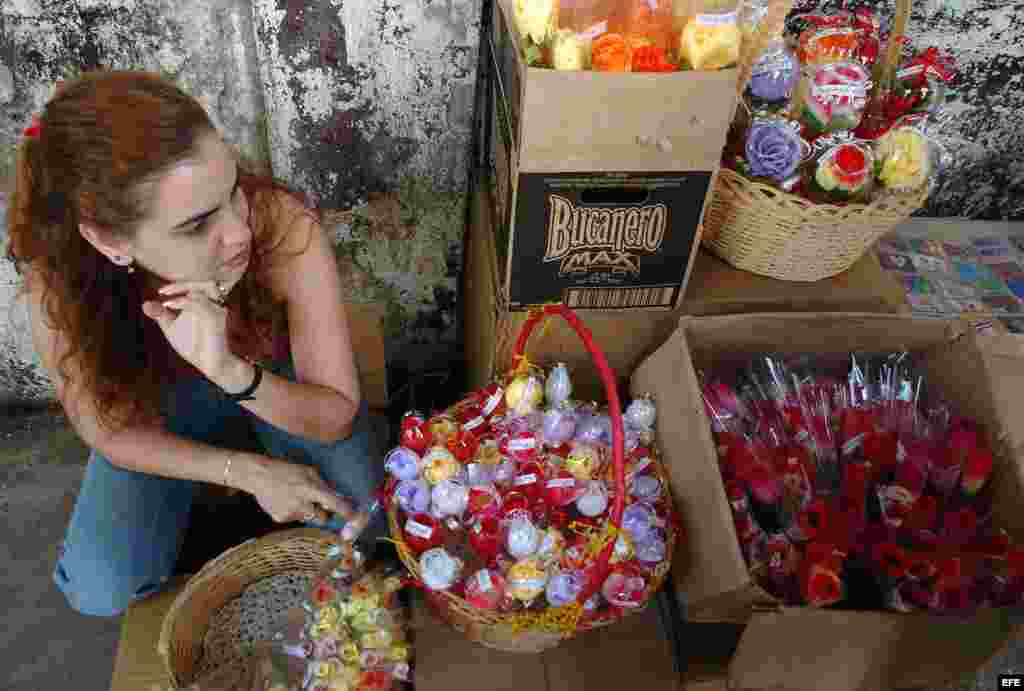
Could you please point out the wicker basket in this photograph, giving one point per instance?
(766, 231)
(516, 632)
(302, 550)
(763, 230)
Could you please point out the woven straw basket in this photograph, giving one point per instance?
(299, 551)
(766, 231)
(522, 632)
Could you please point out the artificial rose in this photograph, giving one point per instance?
(773, 150)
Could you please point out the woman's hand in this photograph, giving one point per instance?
(292, 492)
(194, 324)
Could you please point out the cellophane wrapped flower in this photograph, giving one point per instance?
(858, 486)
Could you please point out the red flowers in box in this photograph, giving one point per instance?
(830, 483)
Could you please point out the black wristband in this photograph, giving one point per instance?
(247, 394)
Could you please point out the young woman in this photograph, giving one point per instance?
(171, 292)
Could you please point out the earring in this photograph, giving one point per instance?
(128, 266)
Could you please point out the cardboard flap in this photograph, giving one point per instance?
(802, 648)
(631, 653)
(704, 565)
(589, 121)
(806, 649)
(821, 333)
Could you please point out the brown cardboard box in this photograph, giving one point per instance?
(138, 666)
(601, 178)
(631, 654)
(627, 337)
(803, 648)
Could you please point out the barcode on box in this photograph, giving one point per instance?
(1011, 681)
(620, 298)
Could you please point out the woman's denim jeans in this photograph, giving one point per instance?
(127, 527)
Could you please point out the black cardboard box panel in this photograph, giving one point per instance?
(603, 240)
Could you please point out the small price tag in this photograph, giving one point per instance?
(492, 402)
(717, 19)
(522, 444)
(473, 424)
(562, 482)
(418, 529)
(528, 479)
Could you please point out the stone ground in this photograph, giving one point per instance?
(46, 644)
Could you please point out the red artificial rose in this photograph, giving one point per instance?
(650, 58)
(855, 484)
(977, 468)
(921, 568)
(923, 513)
(824, 588)
(322, 593)
(881, 447)
(813, 519)
(891, 559)
(961, 525)
(463, 445)
(1015, 562)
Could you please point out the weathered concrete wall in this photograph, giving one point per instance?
(365, 105)
(362, 93)
(204, 45)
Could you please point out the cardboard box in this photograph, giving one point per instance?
(601, 178)
(630, 654)
(138, 666)
(627, 337)
(804, 648)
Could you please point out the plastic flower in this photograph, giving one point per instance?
(535, 18)
(773, 150)
(567, 51)
(891, 559)
(824, 587)
(904, 154)
(322, 593)
(812, 520)
(977, 469)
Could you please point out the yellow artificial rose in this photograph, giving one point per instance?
(328, 617)
(350, 653)
(567, 51)
(905, 162)
(535, 19)
(710, 46)
(825, 178)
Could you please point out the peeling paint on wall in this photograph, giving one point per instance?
(360, 93)
(203, 45)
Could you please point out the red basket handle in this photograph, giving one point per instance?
(614, 411)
